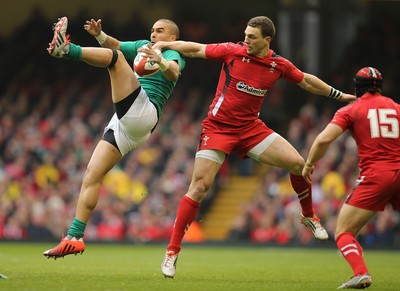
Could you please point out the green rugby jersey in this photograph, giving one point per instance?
(157, 87)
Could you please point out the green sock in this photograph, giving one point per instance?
(77, 228)
(74, 52)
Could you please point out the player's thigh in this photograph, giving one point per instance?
(104, 158)
(352, 219)
(123, 79)
(205, 169)
(280, 153)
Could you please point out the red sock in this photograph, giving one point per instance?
(303, 190)
(352, 252)
(185, 215)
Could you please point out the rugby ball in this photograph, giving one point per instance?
(143, 67)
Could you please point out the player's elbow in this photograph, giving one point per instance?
(173, 77)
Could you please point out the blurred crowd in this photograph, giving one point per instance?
(52, 114)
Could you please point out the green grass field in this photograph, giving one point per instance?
(134, 267)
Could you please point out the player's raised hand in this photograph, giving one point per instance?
(93, 27)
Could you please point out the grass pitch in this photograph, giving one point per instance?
(134, 267)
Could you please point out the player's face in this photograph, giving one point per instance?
(161, 31)
(256, 44)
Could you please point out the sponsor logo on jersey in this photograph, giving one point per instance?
(241, 86)
(244, 59)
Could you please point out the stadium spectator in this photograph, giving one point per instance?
(373, 121)
(138, 104)
(249, 70)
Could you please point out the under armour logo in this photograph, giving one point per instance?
(244, 59)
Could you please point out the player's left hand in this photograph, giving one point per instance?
(153, 55)
(159, 45)
(347, 98)
(307, 172)
(93, 27)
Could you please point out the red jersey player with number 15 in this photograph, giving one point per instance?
(373, 121)
(249, 70)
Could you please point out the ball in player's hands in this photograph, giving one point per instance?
(143, 67)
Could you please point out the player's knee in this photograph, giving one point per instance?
(199, 189)
(91, 177)
(297, 166)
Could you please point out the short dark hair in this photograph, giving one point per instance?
(174, 27)
(265, 24)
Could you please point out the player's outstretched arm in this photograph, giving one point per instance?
(319, 148)
(187, 48)
(94, 28)
(315, 85)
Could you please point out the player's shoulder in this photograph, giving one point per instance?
(172, 54)
(225, 50)
(141, 42)
(348, 108)
(389, 99)
(239, 44)
(228, 45)
(277, 58)
(134, 44)
(392, 103)
(273, 54)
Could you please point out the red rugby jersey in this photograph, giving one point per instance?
(244, 81)
(374, 124)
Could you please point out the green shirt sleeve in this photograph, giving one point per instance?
(129, 48)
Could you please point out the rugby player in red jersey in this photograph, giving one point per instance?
(373, 121)
(249, 70)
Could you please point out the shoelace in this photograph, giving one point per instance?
(317, 222)
(169, 260)
(315, 218)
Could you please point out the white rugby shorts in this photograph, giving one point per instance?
(134, 128)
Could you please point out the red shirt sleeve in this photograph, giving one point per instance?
(292, 73)
(220, 51)
(343, 117)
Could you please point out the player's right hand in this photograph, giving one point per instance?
(93, 27)
(347, 98)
